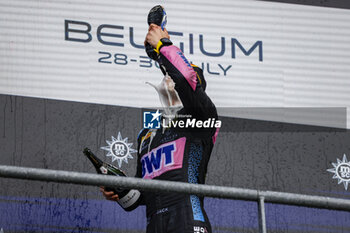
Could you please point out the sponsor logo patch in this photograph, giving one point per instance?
(197, 229)
(166, 157)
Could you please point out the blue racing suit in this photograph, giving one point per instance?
(178, 154)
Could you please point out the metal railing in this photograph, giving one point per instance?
(179, 187)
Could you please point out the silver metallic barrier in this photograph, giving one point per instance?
(180, 187)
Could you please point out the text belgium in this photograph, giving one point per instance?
(80, 31)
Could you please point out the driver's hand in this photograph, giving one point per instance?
(155, 33)
(109, 195)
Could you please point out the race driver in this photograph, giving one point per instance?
(174, 153)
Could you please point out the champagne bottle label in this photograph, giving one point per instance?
(129, 199)
(103, 170)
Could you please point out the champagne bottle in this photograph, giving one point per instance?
(129, 199)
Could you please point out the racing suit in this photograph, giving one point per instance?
(178, 154)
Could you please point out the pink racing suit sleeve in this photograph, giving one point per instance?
(175, 56)
(188, 85)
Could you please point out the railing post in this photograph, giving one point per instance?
(262, 217)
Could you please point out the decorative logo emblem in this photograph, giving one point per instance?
(151, 120)
(341, 171)
(119, 149)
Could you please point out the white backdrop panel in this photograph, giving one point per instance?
(305, 52)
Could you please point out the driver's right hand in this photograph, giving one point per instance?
(109, 195)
